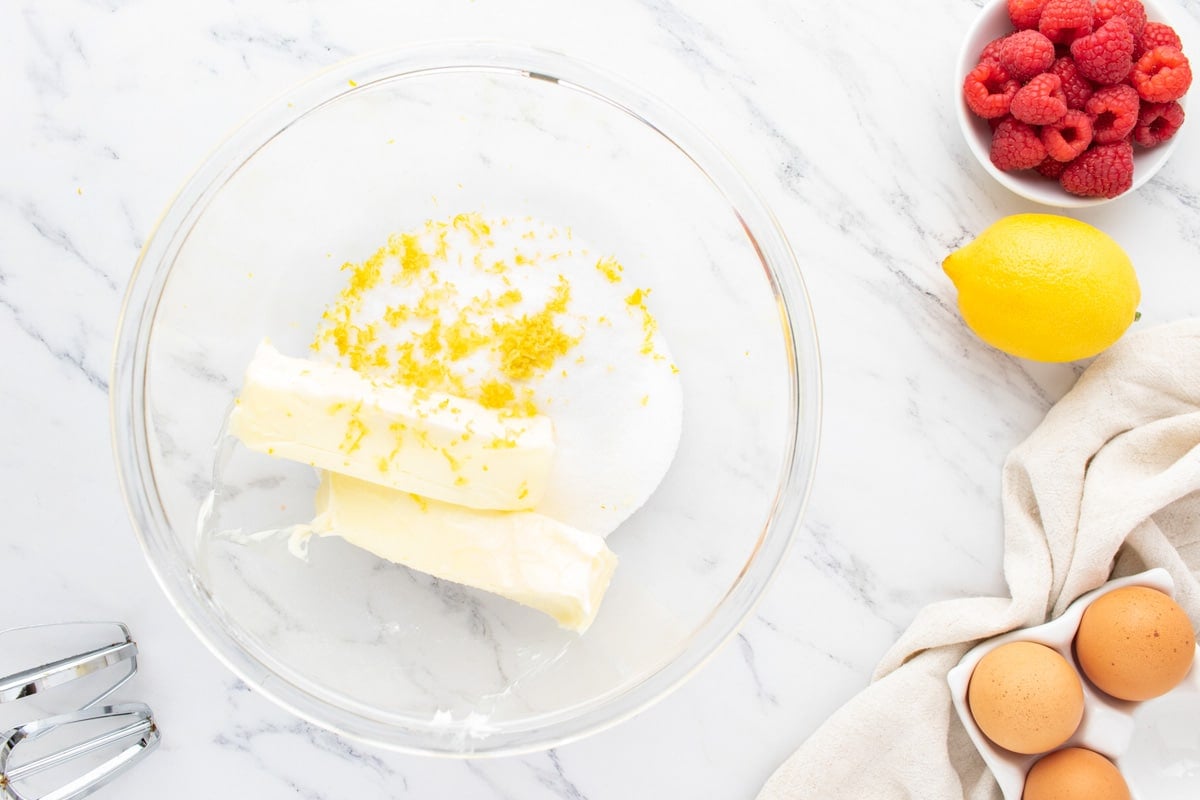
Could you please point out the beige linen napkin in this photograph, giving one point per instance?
(1109, 482)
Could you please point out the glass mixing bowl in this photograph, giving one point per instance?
(250, 247)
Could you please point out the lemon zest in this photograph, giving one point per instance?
(637, 300)
(356, 431)
(610, 268)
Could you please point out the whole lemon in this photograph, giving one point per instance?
(1045, 287)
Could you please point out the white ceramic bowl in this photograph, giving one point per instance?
(1155, 744)
(992, 22)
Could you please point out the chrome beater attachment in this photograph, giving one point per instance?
(59, 742)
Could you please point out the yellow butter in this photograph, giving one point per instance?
(526, 557)
(429, 443)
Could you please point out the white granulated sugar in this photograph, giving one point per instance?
(614, 396)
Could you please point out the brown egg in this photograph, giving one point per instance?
(1075, 774)
(1025, 697)
(1135, 643)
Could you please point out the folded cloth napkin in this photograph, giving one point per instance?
(1109, 483)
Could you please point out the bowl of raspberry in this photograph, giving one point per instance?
(1072, 103)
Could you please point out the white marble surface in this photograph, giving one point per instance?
(841, 114)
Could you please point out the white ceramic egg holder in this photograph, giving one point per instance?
(1170, 772)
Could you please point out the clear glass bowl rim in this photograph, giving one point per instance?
(129, 434)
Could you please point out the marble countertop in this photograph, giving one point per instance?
(840, 113)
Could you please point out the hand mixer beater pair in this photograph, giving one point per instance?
(59, 739)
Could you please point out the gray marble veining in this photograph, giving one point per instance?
(841, 115)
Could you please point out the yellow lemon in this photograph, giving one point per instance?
(1045, 287)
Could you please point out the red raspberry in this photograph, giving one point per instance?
(1114, 112)
(1157, 123)
(1066, 139)
(1076, 88)
(1041, 101)
(1104, 171)
(1064, 21)
(1050, 168)
(992, 51)
(1132, 10)
(994, 122)
(1162, 75)
(1025, 13)
(989, 91)
(1106, 55)
(1157, 34)
(1026, 54)
(1016, 145)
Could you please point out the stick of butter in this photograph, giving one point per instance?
(523, 556)
(428, 443)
